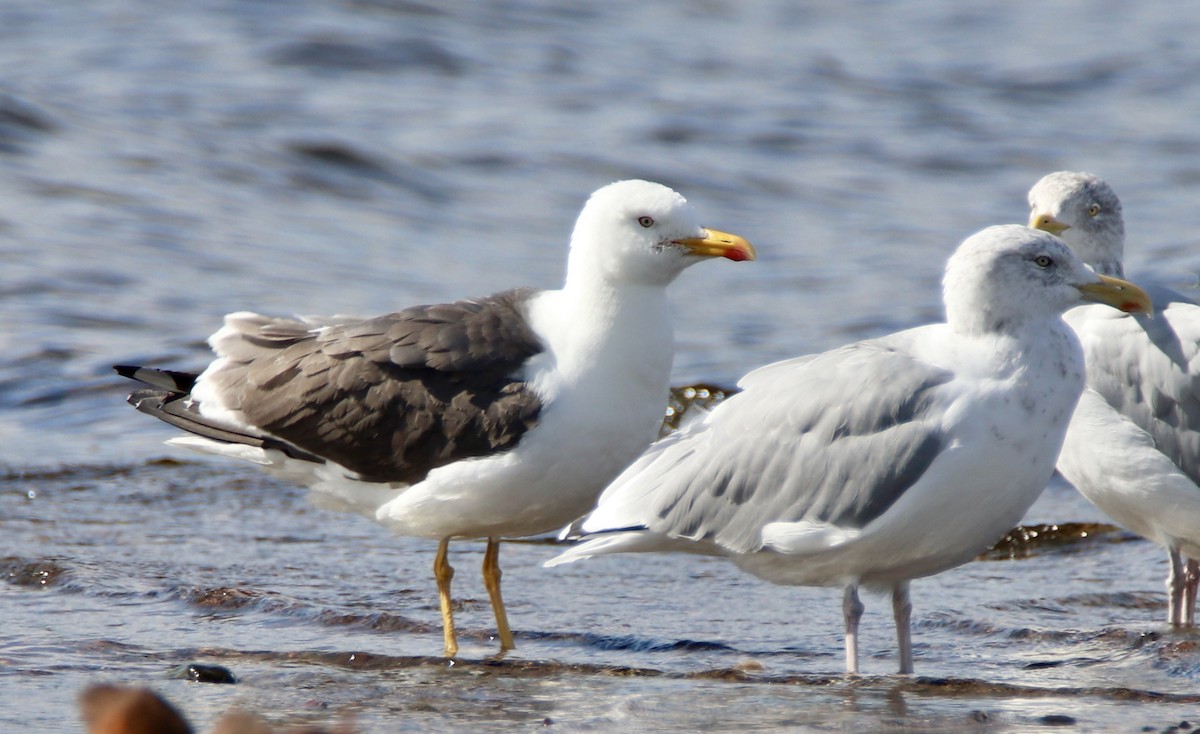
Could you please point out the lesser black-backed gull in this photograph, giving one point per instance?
(496, 417)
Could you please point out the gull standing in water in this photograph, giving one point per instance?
(490, 418)
(885, 460)
(1133, 448)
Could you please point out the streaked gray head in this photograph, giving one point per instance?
(643, 232)
(1086, 213)
(1004, 277)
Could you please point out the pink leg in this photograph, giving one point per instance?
(1191, 576)
(852, 610)
(902, 610)
(1175, 588)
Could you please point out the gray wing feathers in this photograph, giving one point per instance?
(1148, 368)
(392, 397)
(790, 448)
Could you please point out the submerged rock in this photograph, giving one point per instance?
(1031, 540)
(27, 572)
(690, 401)
(202, 673)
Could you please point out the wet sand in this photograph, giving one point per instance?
(132, 574)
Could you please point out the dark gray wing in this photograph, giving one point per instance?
(175, 408)
(1148, 368)
(392, 397)
(833, 439)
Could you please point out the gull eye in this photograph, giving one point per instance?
(1093, 210)
(1043, 261)
(646, 221)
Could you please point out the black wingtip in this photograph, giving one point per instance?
(172, 407)
(181, 382)
(575, 531)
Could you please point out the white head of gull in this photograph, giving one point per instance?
(502, 416)
(1133, 448)
(885, 460)
(1085, 212)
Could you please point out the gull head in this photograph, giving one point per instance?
(643, 232)
(1007, 277)
(1086, 213)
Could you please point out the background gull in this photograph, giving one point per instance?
(885, 460)
(1133, 448)
(497, 417)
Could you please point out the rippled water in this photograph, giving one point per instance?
(161, 165)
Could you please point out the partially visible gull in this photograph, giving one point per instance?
(496, 417)
(1133, 448)
(881, 461)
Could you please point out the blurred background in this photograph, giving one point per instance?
(164, 164)
(160, 167)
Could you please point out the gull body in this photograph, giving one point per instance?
(885, 460)
(1134, 444)
(489, 418)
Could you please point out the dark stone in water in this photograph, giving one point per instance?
(201, 673)
(1058, 720)
(1031, 540)
(210, 674)
(23, 572)
(684, 402)
(226, 598)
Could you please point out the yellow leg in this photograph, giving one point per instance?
(443, 573)
(491, 579)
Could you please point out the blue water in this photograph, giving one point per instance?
(163, 164)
